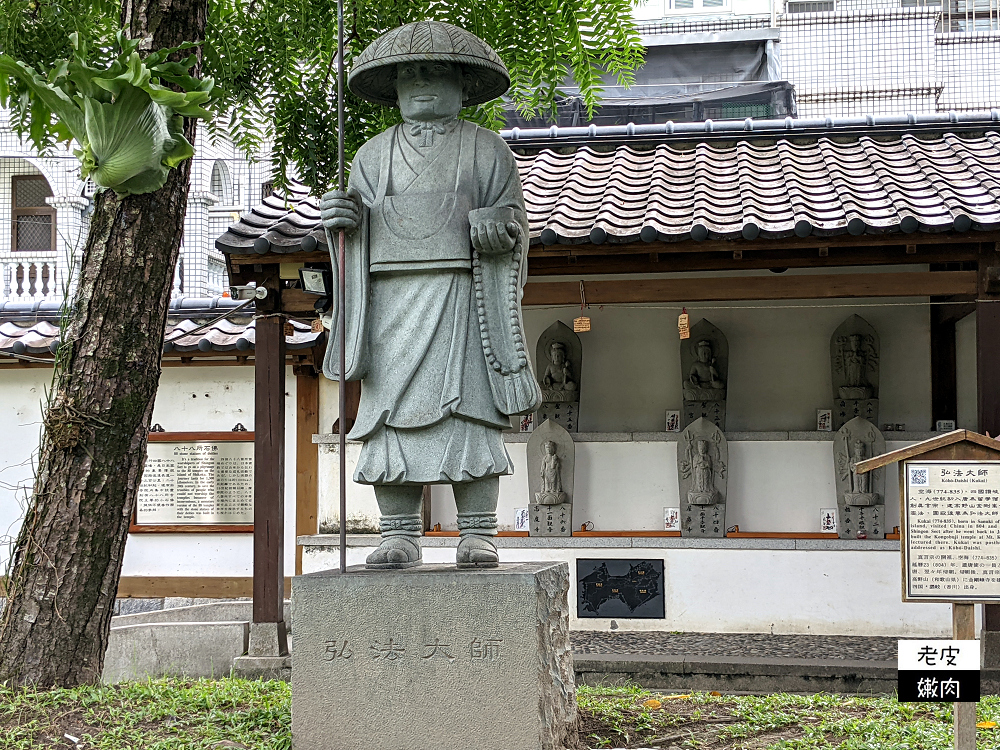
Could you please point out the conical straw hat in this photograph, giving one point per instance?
(373, 75)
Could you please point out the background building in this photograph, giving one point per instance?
(45, 210)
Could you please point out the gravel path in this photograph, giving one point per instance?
(874, 648)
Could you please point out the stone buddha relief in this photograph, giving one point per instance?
(705, 374)
(860, 497)
(551, 456)
(559, 361)
(702, 476)
(854, 359)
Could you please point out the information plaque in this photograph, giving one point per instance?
(951, 516)
(196, 483)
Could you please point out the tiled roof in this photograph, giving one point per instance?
(283, 223)
(227, 336)
(724, 180)
(237, 334)
(778, 188)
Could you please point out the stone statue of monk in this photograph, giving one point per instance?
(436, 258)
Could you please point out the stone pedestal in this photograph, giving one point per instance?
(435, 657)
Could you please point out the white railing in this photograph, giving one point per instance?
(30, 277)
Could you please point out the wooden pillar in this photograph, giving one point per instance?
(988, 394)
(352, 394)
(306, 456)
(269, 461)
(944, 367)
(963, 623)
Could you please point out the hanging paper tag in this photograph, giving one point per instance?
(316, 326)
(289, 329)
(581, 325)
(684, 325)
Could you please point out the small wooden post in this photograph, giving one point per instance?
(306, 456)
(963, 620)
(269, 470)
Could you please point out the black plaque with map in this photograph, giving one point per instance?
(620, 588)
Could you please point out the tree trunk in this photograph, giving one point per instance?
(68, 557)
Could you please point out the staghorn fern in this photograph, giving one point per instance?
(127, 122)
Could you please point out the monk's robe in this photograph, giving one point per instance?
(433, 330)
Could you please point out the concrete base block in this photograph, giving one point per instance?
(457, 659)
(182, 649)
(268, 639)
(263, 668)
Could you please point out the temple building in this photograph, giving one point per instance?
(778, 233)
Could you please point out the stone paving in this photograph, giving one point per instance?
(865, 648)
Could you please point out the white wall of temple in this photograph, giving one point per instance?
(779, 361)
(188, 399)
(774, 485)
(22, 392)
(753, 588)
(779, 375)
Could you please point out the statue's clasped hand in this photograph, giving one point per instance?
(494, 237)
(340, 209)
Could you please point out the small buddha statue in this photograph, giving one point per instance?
(551, 475)
(557, 380)
(704, 382)
(855, 363)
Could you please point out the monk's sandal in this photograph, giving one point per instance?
(400, 547)
(476, 548)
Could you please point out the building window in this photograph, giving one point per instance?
(970, 15)
(34, 221)
(694, 6)
(221, 185)
(809, 6)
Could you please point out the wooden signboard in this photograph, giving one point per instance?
(951, 531)
(949, 499)
(196, 482)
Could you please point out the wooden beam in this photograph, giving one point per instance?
(252, 259)
(189, 587)
(297, 301)
(786, 243)
(955, 445)
(555, 265)
(735, 288)
(306, 460)
(269, 458)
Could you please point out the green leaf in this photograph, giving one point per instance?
(125, 139)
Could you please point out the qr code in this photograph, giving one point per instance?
(918, 476)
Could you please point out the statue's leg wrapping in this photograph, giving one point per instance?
(477, 522)
(401, 527)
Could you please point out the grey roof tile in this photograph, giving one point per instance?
(777, 179)
(40, 337)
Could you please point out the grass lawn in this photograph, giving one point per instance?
(168, 714)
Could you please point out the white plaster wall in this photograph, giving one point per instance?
(773, 486)
(22, 392)
(751, 590)
(188, 399)
(779, 362)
